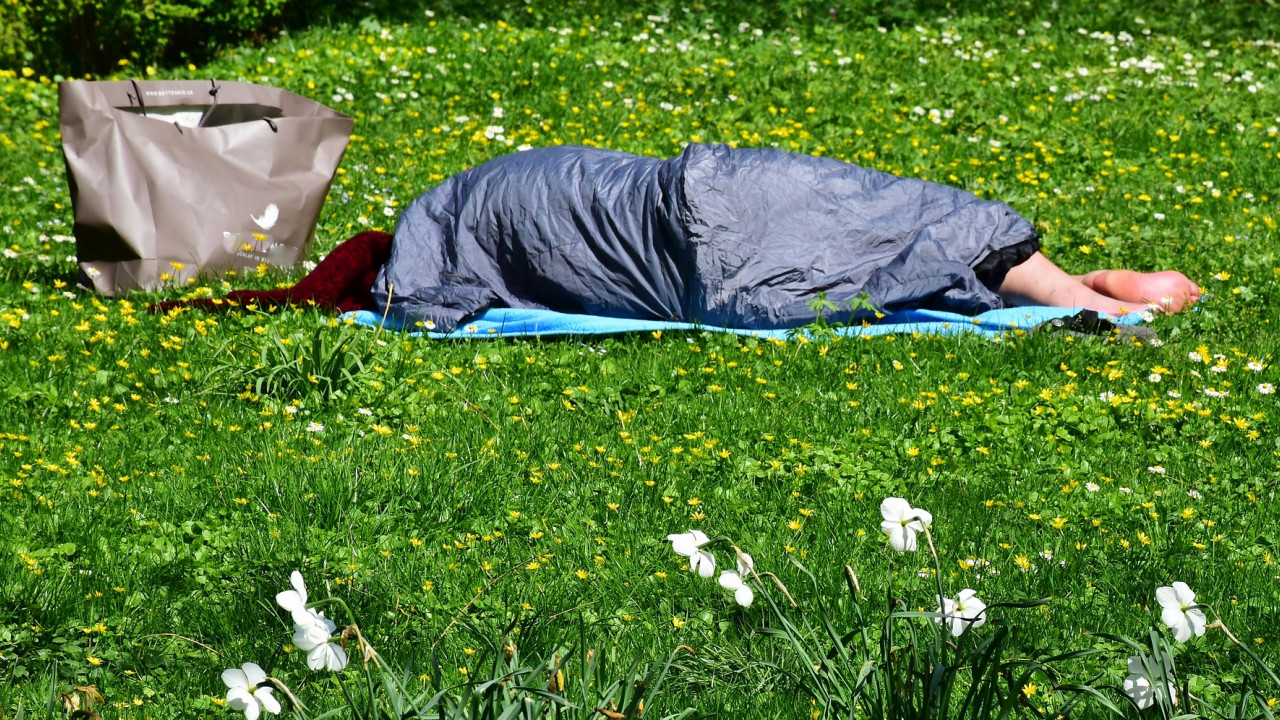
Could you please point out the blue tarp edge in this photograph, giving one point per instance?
(516, 322)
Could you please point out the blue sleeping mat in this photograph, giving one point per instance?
(517, 322)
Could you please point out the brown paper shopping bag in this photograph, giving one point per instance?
(169, 178)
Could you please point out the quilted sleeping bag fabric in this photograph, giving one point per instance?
(742, 238)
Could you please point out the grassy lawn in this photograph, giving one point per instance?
(156, 498)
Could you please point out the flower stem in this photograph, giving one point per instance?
(276, 683)
(717, 541)
(373, 695)
(335, 601)
(1217, 625)
(937, 564)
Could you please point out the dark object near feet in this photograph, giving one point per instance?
(1088, 322)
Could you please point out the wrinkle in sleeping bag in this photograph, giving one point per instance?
(724, 237)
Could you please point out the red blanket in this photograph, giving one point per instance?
(339, 283)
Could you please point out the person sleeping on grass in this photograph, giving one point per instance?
(721, 236)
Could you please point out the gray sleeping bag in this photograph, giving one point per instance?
(742, 238)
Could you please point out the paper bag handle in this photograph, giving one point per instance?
(213, 93)
(137, 95)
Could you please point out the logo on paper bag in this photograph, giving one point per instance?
(259, 246)
(269, 217)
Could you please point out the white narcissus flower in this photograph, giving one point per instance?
(902, 522)
(313, 637)
(295, 600)
(1177, 609)
(686, 545)
(964, 612)
(1139, 687)
(244, 694)
(736, 581)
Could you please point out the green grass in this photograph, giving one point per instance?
(154, 502)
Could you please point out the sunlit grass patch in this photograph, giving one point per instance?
(158, 485)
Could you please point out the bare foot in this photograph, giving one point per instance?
(1169, 291)
(1037, 281)
(1079, 295)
